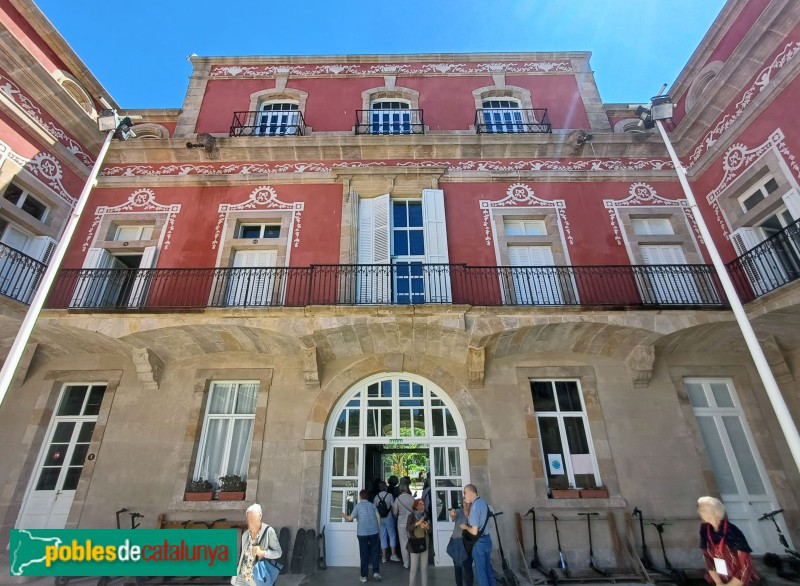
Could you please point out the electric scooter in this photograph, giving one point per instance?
(788, 567)
(562, 560)
(591, 550)
(678, 576)
(536, 564)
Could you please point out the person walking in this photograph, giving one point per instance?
(478, 525)
(462, 564)
(418, 526)
(383, 502)
(259, 541)
(403, 507)
(725, 549)
(367, 532)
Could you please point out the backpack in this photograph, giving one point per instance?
(383, 508)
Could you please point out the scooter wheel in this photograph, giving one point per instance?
(771, 560)
(679, 577)
(553, 577)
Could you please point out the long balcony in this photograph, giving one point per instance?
(512, 121)
(389, 121)
(20, 274)
(268, 123)
(662, 286)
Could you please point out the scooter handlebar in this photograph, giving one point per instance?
(770, 515)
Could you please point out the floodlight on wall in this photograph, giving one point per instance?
(661, 108)
(115, 127)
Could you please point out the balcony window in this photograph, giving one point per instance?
(25, 201)
(258, 231)
(133, 233)
(278, 119)
(651, 226)
(503, 116)
(390, 117)
(525, 228)
(759, 194)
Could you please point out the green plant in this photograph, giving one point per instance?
(200, 485)
(232, 483)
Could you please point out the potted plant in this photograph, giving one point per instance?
(231, 488)
(597, 492)
(199, 490)
(559, 489)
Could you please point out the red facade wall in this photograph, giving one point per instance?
(447, 102)
(25, 34)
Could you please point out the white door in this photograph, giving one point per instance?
(100, 281)
(534, 275)
(140, 284)
(447, 488)
(58, 469)
(252, 280)
(738, 469)
(345, 465)
(667, 284)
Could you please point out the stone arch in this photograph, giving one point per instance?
(439, 374)
(278, 94)
(629, 125)
(150, 130)
(386, 92)
(75, 90)
(503, 91)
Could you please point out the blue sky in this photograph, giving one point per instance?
(138, 49)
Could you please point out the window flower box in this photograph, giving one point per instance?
(231, 488)
(594, 493)
(231, 496)
(199, 490)
(565, 493)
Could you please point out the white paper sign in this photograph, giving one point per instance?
(582, 464)
(556, 464)
(720, 566)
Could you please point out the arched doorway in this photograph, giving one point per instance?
(387, 424)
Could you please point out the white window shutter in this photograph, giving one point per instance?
(745, 239)
(41, 248)
(435, 227)
(97, 258)
(663, 255)
(149, 257)
(374, 248)
(374, 242)
(792, 201)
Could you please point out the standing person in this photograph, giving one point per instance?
(393, 486)
(419, 526)
(259, 541)
(478, 523)
(383, 502)
(725, 549)
(367, 532)
(402, 508)
(463, 570)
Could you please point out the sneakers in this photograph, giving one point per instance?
(383, 560)
(394, 558)
(363, 578)
(377, 577)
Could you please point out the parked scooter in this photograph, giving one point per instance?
(786, 567)
(536, 564)
(591, 549)
(676, 575)
(562, 559)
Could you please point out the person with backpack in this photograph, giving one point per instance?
(403, 507)
(383, 502)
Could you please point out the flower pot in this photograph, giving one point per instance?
(231, 496)
(198, 496)
(594, 493)
(565, 493)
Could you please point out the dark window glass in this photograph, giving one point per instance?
(87, 429)
(400, 214)
(63, 432)
(771, 185)
(48, 479)
(79, 455)
(72, 401)
(401, 242)
(417, 242)
(249, 231)
(56, 454)
(569, 398)
(415, 214)
(272, 231)
(34, 207)
(13, 193)
(73, 476)
(95, 398)
(543, 398)
(753, 200)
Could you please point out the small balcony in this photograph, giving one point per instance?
(662, 286)
(771, 264)
(20, 274)
(512, 121)
(389, 121)
(268, 123)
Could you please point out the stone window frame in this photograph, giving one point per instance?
(188, 450)
(43, 414)
(770, 164)
(500, 91)
(631, 126)
(150, 130)
(386, 93)
(230, 243)
(587, 379)
(58, 210)
(683, 234)
(76, 91)
(104, 236)
(701, 82)
(554, 237)
(280, 94)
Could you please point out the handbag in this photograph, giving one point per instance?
(417, 544)
(266, 572)
(469, 539)
(457, 551)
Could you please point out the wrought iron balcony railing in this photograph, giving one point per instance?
(769, 265)
(389, 121)
(20, 274)
(398, 284)
(268, 123)
(512, 120)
